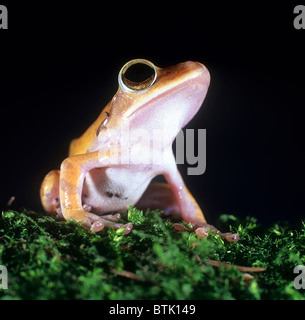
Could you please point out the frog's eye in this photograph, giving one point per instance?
(137, 75)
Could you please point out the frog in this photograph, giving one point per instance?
(103, 176)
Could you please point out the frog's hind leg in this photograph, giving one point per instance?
(49, 192)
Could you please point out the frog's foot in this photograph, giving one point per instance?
(96, 223)
(111, 217)
(99, 225)
(202, 231)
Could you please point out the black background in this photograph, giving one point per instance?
(59, 66)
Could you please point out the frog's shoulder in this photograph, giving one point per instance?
(87, 140)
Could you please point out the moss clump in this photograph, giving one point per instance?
(49, 259)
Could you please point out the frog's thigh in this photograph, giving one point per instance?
(159, 196)
(49, 191)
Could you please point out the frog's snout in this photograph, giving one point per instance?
(138, 85)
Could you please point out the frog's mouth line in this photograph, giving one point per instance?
(158, 96)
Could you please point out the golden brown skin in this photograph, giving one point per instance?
(87, 182)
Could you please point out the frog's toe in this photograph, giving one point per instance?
(180, 227)
(99, 223)
(97, 226)
(230, 237)
(128, 227)
(112, 217)
(201, 233)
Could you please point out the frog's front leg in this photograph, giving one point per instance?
(189, 209)
(72, 174)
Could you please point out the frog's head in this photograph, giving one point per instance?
(168, 99)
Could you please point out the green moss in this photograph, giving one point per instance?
(49, 259)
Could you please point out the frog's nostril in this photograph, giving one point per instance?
(137, 74)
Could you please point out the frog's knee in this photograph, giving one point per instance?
(49, 191)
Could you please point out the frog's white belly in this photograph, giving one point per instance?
(114, 189)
